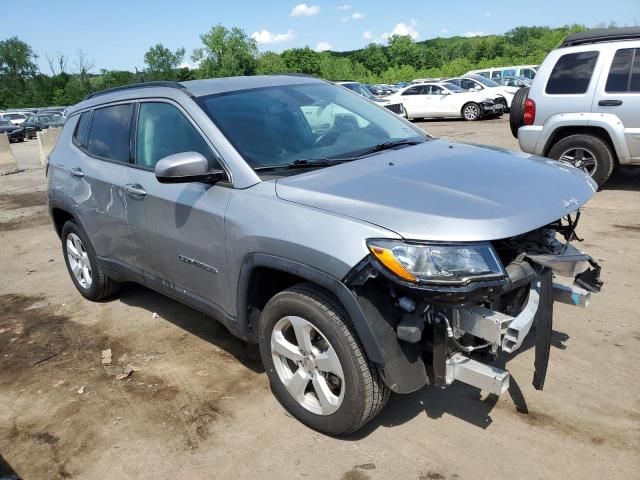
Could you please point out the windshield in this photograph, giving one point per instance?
(275, 126)
(485, 81)
(453, 87)
(359, 89)
(14, 116)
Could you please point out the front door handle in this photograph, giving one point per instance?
(610, 103)
(135, 190)
(77, 172)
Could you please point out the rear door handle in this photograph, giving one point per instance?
(610, 103)
(77, 172)
(135, 190)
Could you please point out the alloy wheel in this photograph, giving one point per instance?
(581, 158)
(79, 261)
(307, 365)
(471, 112)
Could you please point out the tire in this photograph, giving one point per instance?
(591, 147)
(100, 286)
(471, 111)
(359, 394)
(516, 115)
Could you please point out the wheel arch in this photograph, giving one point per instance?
(596, 131)
(61, 214)
(263, 275)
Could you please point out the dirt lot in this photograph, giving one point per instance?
(201, 408)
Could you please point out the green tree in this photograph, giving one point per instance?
(302, 60)
(226, 53)
(17, 59)
(403, 50)
(270, 63)
(162, 63)
(373, 57)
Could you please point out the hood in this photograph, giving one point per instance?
(9, 128)
(443, 191)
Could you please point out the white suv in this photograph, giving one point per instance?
(584, 104)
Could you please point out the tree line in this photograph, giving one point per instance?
(227, 52)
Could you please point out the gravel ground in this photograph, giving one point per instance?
(200, 406)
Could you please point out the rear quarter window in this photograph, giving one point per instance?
(572, 73)
(80, 134)
(109, 137)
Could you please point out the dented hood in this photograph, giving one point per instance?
(444, 191)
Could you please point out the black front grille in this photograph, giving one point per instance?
(395, 108)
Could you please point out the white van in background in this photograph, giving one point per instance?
(527, 71)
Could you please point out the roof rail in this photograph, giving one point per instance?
(176, 85)
(602, 35)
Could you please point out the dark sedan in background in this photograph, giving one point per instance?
(15, 133)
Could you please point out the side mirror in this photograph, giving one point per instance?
(186, 167)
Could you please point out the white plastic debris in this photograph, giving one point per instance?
(106, 357)
(81, 390)
(155, 315)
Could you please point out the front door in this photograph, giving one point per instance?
(179, 228)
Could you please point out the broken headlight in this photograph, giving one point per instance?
(437, 263)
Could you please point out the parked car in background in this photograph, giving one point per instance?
(527, 71)
(584, 105)
(395, 106)
(48, 120)
(481, 84)
(518, 82)
(439, 100)
(15, 133)
(14, 117)
(32, 126)
(374, 90)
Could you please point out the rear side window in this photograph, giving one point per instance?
(572, 73)
(162, 131)
(80, 135)
(624, 74)
(412, 91)
(109, 137)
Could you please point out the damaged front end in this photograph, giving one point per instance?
(446, 312)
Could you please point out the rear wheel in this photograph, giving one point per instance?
(316, 366)
(516, 115)
(82, 264)
(586, 152)
(471, 111)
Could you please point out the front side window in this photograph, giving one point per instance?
(110, 132)
(275, 126)
(572, 73)
(162, 131)
(624, 74)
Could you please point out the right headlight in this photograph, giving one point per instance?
(437, 263)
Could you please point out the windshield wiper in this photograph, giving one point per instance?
(389, 146)
(302, 163)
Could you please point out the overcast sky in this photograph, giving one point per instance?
(116, 33)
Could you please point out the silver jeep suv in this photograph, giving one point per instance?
(584, 104)
(361, 254)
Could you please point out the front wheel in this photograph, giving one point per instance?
(316, 366)
(471, 111)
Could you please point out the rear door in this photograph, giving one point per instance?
(618, 93)
(96, 171)
(179, 228)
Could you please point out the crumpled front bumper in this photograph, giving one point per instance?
(506, 334)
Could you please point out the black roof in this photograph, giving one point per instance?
(177, 85)
(602, 35)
